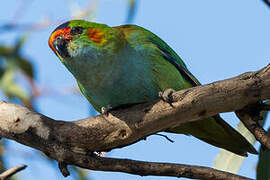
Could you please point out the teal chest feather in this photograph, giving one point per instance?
(128, 78)
(119, 81)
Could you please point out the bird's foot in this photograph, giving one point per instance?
(105, 110)
(166, 96)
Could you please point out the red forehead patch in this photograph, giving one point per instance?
(65, 33)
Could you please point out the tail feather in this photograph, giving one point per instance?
(216, 131)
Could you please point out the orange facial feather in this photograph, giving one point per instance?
(96, 35)
(65, 33)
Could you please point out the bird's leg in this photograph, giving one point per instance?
(105, 110)
(166, 96)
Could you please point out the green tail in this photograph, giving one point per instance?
(216, 131)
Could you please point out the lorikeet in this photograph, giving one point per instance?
(128, 64)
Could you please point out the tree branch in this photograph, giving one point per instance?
(73, 142)
(157, 169)
(267, 2)
(10, 172)
(250, 116)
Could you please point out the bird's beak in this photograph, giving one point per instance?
(60, 45)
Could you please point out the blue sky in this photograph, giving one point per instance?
(216, 39)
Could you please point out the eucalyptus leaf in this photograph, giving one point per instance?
(26, 67)
(19, 44)
(1, 72)
(5, 51)
(19, 63)
(11, 89)
(231, 162)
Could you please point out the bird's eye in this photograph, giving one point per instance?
(76, 30)
(58, 38)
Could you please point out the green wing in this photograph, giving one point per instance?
(138, 36)
(213, 130)
(174, 59)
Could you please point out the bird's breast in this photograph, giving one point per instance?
(117, 82)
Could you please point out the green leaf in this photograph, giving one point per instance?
(5, 51)
(263, 168)
(26, 67)
(1, 72)
(11, 89)
(231, 162)
(19, 63)
(19, 44)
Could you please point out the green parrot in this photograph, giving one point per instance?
(128, 64)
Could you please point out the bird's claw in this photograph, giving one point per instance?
(166, 96)
(105, 110)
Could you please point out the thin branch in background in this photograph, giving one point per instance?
(9, 27)
(78, 13)
(267, 2)
(10, 172)
(21, 10)
(44, 23)
(132, 8)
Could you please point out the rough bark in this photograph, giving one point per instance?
(72, 142)
(250, 116)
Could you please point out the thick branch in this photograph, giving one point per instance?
(69, 142)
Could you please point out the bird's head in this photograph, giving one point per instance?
(79, 40)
